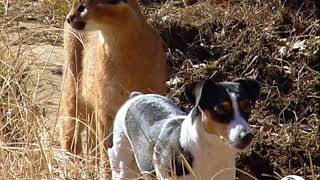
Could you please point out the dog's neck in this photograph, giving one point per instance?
(210, 154)
(193, 135)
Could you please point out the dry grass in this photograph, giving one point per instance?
(28, 141)
(276, 43)
(28, 144)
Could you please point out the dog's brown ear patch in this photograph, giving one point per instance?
(212, 125)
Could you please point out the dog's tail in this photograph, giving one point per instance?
(134, 94)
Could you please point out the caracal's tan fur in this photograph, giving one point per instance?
(120, 53)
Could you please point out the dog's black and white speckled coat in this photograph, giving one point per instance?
(153, 136)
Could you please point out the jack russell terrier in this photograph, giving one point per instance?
(153, 136)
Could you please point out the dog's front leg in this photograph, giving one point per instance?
(160, 160)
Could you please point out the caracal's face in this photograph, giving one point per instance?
(93, 14)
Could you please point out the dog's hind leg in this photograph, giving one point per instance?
(121, 157)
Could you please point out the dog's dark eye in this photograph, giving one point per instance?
(223, 112)
(223, 108)
(245, 106)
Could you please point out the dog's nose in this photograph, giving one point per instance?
(245, 138)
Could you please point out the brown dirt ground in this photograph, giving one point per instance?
(275, 42)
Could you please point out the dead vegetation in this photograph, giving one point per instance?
(276, 42)
(28, 140)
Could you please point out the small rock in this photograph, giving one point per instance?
(174, 81)
(299, 45)
(201, 65)
(283, 50)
